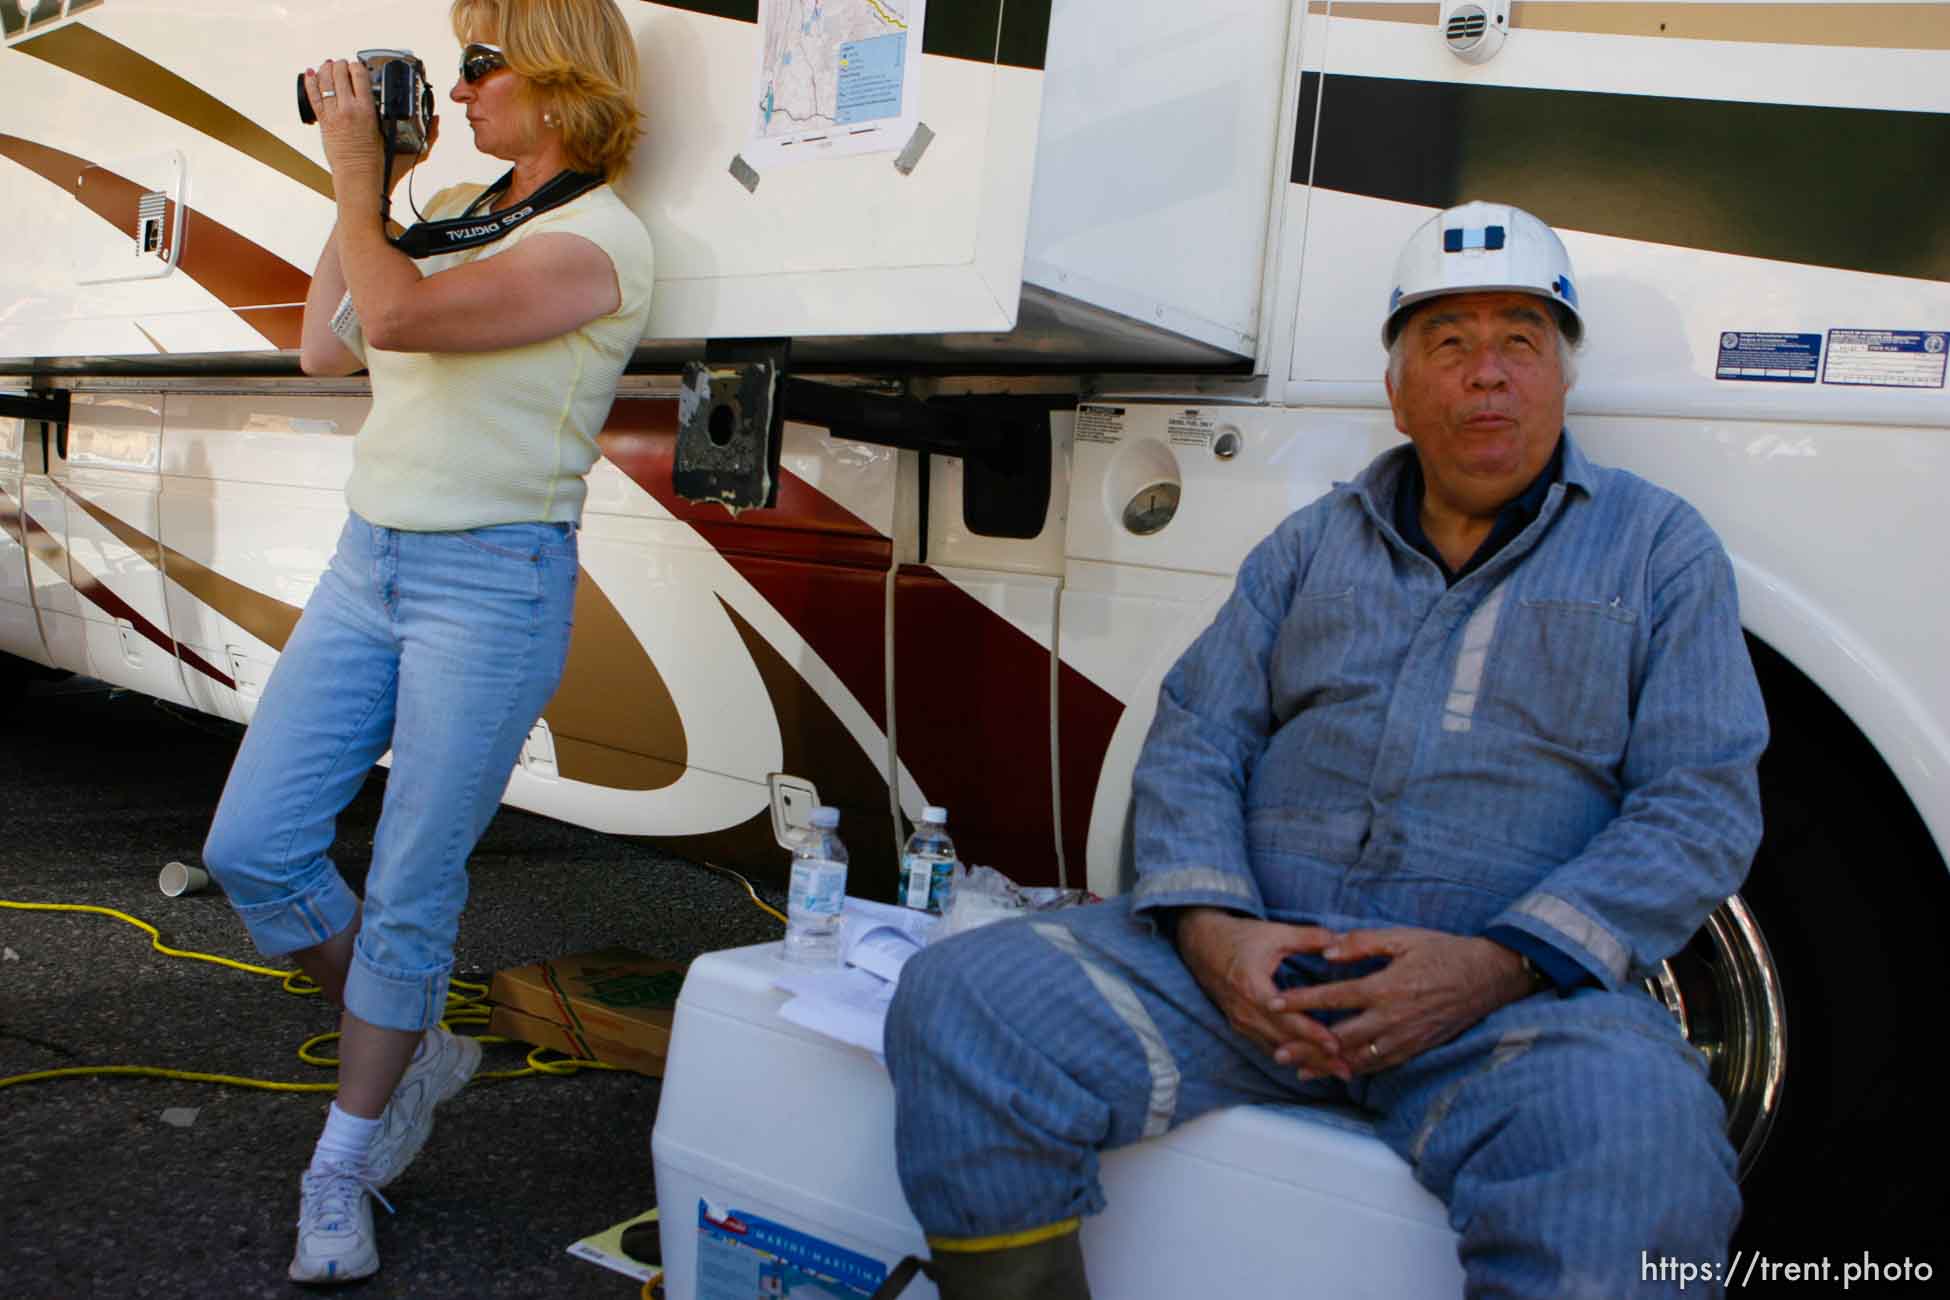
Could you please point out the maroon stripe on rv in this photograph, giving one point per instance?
(151, 550)
(972, 698)
(36, 538)
(974, 689)
(33, 538)
(840, 616)
(971, 693)
(266, 291)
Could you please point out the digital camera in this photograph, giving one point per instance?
(400, 93)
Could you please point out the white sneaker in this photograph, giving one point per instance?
(335, 1239)
(444, 1066)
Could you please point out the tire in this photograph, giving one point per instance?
(1854, 902)
(16, 675)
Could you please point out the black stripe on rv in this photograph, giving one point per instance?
(1854, 188)
(1011, 32)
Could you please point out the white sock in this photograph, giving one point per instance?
(347, 1139)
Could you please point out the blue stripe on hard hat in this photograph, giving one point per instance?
(1565, 290)
(1457, 238)
(1395, 298)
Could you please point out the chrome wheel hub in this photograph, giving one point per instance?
(1725, 992)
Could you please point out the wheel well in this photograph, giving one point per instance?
(1851, 893)
(1816, 748)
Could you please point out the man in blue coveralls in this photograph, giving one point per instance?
(1470, 749)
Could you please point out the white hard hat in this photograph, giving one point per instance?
(1478, 248)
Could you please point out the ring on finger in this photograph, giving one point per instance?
(1374, 1051)
(328, 94)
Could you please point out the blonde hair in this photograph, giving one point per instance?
(578, 59)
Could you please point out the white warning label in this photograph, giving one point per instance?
(1096, 423)
(1885, 358)
(1190, 428)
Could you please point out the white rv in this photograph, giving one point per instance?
(1068, 302)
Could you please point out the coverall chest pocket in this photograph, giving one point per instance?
(1314, 640)
(1561, 670)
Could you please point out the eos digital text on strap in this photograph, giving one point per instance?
(476, 227)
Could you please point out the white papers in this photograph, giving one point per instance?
(849, 1002)
(881, 937)
(882, 952)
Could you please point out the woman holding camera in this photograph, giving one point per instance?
(442, 625)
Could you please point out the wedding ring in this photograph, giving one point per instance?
(327, 94)
(1374, 1050)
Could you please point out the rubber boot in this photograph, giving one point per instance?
(1049, 1269)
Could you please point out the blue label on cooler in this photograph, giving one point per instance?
(741, 1256)
(818, 886)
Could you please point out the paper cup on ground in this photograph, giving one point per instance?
(178, 879)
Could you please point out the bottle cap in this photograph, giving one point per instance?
(934, 815)
(825, 818)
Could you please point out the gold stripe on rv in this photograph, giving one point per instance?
(80, 49)
(265, 617)
(612, 704)
(1867, 26)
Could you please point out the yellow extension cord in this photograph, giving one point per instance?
(466, 1005)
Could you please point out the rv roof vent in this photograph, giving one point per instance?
(1474, 30)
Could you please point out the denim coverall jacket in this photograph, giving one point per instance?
(1564, 742)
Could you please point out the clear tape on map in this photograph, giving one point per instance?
(835, 78)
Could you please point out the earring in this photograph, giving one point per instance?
(548, 120)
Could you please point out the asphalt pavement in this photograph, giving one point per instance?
(118, 1186)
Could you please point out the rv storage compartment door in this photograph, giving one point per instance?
(949, 184)
(1143, 224)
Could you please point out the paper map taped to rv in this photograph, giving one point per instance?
(835, 78)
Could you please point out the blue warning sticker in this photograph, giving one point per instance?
(742, 1256)
(1886, 358)
(1762, 356)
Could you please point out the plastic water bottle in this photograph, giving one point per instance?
(928, 863)
(818, 893)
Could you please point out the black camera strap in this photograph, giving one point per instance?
(476, 227)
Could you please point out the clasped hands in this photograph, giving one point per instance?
(1433, 986)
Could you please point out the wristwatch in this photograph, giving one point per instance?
(1535, 974)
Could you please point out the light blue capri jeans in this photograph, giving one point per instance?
(442, 647)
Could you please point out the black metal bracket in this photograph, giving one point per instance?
(49, 405)
(733, 407)
(731, 424)
(1003, 443)
(44, 404)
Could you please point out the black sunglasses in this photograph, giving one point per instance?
(479, 59)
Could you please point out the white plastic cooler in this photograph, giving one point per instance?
(772, 1125)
